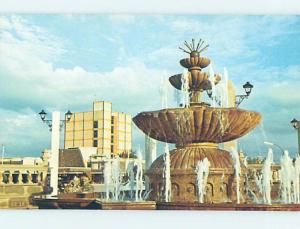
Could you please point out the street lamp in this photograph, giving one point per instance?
(239, 98)
(55, 125)
(273, 144)
(296, 124)
(43, 115)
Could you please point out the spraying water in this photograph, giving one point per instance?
(116, 177)
(139, 176)
(267, 177)
(213, 86)
(164, 93)
(185, 89)
(130, 172)
(224, 90)
(202, 171)
(177, 97)
(167, 173)
(286, 177)
(107, 177)
(237, 171)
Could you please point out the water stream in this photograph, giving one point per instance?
(202, 171)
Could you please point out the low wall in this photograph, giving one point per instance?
(18, 196)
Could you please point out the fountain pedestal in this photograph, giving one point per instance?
(220, 184)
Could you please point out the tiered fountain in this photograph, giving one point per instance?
(196, 129)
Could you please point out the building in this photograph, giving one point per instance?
(20, 179)
(108, 131)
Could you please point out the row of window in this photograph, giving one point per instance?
(96, 125)
(95, 144)
(96, 133)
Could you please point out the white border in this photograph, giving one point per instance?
(153, 6)
(151, 219)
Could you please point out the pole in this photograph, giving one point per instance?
(298, 138)
(54, 152)
(3, 149)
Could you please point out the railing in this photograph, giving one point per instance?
(22, 175)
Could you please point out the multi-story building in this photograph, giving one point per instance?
(108, 131)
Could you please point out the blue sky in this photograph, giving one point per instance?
(57, 61)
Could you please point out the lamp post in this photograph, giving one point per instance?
(55, 125)
(296, 124)
(238, 98)
(273, 144)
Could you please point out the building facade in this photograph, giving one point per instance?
(20, 179)
(108, 131)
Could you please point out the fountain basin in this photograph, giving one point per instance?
(226, 207)
(197, 124)
(68, 201)
(142, 205)
(197, 80)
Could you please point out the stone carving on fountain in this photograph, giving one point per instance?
(196, 130)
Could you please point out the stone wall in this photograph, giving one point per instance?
(18, 183)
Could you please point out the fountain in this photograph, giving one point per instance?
(196, 129)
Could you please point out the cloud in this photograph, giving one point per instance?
(31, 79)
(22, 133)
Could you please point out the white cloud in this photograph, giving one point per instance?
(27, 80)
(235, 37)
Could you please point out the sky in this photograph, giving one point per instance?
(66, 61)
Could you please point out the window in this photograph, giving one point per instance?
(112, 129)
(112, 139)
(95, 124)
(112, 149)
(112, 120)
(95, 143)
(95, 133)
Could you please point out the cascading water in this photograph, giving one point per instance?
(185, 89)
(167, 174)
(237, 171)
(213, 86)
(267, 178)
(202, 171)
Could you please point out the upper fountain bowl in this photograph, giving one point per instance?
(195, 61)
(197, 80)
(197, 124)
